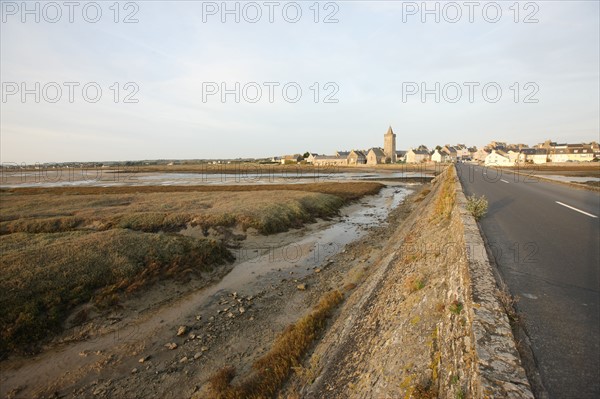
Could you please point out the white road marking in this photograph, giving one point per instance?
(503, 181)
(578, 210)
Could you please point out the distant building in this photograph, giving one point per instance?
(498, 158)
(287, 159)
(357, 157)
(311, 157)
(417, 156)
(450, 153)
(376, 156)
(513, 155)
(480, 155)
(540, 156)
(400, 156)
(389, 146)
(437, 156)
(330, 160)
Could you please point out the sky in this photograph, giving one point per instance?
(159, 80)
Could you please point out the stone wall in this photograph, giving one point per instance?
(487, 356)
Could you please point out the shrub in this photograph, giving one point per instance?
(477, 206)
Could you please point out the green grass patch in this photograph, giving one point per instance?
(44, 276)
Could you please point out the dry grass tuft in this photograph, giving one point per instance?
(447, 196)
(271, 370)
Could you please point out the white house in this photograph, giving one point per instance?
(417, 156)
(540, 156)
(498, 158)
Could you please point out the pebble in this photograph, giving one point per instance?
(242, 310)
(134, 370)
(171, 345)
(317, 270)
(183, 359)
(301, 287)
(198, 355)
(182, 330)
(143, 359)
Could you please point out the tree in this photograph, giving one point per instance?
(306, 155)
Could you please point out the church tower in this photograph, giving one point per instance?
(389, 145)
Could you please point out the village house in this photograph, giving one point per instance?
(417, 156)
(462, 152)
(376, 156)
(450, 153)
(498, 158)
(480, 154)
(291, 159)
(437, 156)
(311, 157)
(357, 157)
(526, 155)
(540, 156)
(401, 156)
(329, 160)
(513, 155)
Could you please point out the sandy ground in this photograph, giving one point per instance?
(167, 342)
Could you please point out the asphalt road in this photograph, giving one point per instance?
(545, 238)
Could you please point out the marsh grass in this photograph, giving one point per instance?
(65, 247)
(44, 276)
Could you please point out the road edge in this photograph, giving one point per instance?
(497, 366)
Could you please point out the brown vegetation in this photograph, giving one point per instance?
(444, 203)
(271, 370)
(62, 247)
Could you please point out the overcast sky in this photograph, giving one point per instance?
(369, 67)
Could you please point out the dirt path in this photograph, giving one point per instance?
(230, 322)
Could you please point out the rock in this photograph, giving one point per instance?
(183, 359)
(317, 270)
(192, 336)
(143, 359)
(171, 345)
(242, 310)
(197, 355)
(230, 315)
(301, 287)
(182, 330)
(198, 317)
(134, 370)
(204, 348)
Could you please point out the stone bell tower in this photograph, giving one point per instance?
(389, 145)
